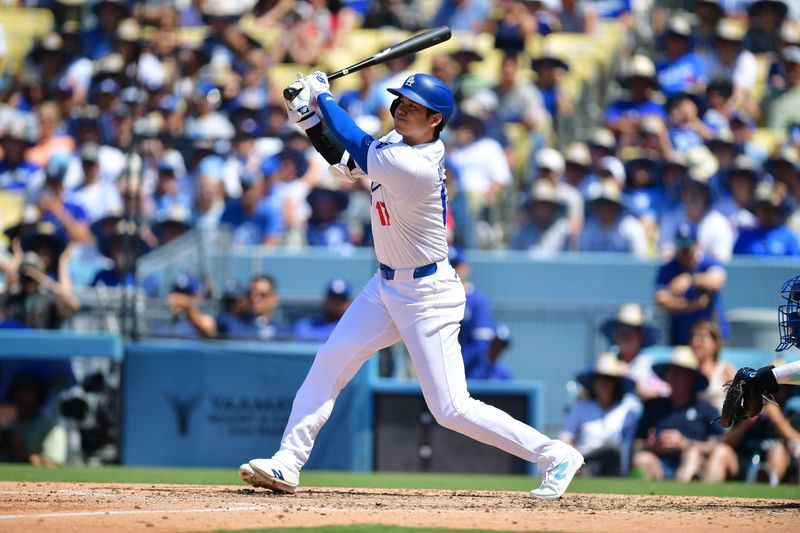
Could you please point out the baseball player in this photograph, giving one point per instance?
(415, 295)
(750, 389)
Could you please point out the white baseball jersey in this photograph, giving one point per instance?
(409, 201)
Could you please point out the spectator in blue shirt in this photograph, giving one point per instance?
(325, 224)
(550, 70)
(463, 15)
(477, 327)
(688, 287)
(770, 237)
(319, 328)
(68, 218)
(232, 320)
(99, 41)
(122, 246)
(686, 129)
(365, 104)
(185, 288)
(495, 369)
(624, 117)
(16, 173)
(255, 219)
(682, 70)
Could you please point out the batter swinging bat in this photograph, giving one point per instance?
(414, 44)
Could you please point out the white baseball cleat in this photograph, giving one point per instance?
(270, 474)
(249, 476)
(556, 480)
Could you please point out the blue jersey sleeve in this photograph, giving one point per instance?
(355, 140)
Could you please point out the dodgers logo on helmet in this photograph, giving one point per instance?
(430, 92)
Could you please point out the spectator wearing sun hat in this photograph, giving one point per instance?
(714, 233)
(782, 106)
(674, 433)
(730, 60)
(610, 228)
(545, 229)
(603, 425)
(770, 237)
(765, 19)
(624, 116)
(735, 201)
(550, 166)
(578, 167)
(682, 70)
(15, 172)
(629, 333)
(550, 70)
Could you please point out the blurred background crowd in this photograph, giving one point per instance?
(668, 130)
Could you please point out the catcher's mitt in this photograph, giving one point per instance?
(743, 398)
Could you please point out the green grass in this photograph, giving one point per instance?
(363, 528)
(210, 476)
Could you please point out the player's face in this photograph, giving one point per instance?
(413, 122)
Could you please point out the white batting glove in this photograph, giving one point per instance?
(342, 172)
(299, 108)
(318, 84)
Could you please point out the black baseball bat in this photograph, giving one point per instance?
(409, 46)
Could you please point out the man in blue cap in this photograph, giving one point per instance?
(337, 299)
(688, 287)
(477, 328)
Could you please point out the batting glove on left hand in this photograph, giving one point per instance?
(299, 108)
(318, 83)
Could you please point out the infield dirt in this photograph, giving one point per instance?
(95, 507)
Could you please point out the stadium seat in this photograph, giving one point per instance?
(11, 203)
(769, 138)
(22, 27)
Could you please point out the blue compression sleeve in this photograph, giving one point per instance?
(355, 140)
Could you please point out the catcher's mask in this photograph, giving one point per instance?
(789, 315)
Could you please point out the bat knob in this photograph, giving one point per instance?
(289, 93)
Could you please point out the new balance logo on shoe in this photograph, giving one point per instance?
(278, 474)
(559, 472)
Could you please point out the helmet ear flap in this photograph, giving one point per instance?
(395, 104)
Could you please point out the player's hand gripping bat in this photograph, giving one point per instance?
(409, 46)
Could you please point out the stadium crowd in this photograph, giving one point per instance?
(128, 124)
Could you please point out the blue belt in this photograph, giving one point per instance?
(387, 273)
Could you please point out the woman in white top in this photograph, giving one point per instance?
(602, 426)
(706, 342)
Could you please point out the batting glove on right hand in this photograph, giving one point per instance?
(299, 107)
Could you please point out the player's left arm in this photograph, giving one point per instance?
(355, 140)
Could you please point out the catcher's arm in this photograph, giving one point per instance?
(782, 425)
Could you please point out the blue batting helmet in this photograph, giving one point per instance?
(429, 91)
(789, 315)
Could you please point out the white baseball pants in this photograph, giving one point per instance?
(425, 313)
